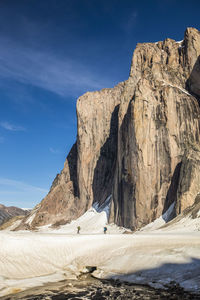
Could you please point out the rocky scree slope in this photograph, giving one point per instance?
(138, 141)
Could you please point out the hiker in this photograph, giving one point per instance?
(78, 229)
(105, 229)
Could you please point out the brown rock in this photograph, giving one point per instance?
(87, 175)
(158, 120)
(97, 143)
(189, 181)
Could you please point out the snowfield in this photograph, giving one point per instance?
(154, 257)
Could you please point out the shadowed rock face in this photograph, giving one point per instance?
(87, 175)
(135, 141)
(97, 115)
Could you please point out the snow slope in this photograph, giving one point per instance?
(92, 222)
(188, 221)
(160, 221)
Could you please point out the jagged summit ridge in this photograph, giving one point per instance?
(135, 141)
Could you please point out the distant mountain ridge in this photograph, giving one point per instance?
(139, 142)
(7, 213)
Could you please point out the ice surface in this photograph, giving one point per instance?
(155, 257)
(28, 259)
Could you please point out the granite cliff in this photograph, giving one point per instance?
(138, 141)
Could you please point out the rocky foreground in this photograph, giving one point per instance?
(90, 288)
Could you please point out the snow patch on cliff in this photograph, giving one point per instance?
(103, 207)
(30, 219)
(177, 87)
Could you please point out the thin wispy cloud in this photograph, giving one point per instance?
(11, 127)
(63, 76)
(18, 193)
(130, 23)
(19, 185)
(54, 151)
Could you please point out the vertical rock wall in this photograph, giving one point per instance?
(87, 175)
(97, 115)
(158, 123)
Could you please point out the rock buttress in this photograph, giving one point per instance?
(158, 122)
(87, 176)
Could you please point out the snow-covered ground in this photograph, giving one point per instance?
(155, 256)
(162, 220)
(30, 259)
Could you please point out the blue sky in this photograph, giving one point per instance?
(51, 52)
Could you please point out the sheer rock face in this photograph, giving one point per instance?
(87, 175)
(189, 183)
(135, 141)
(97, 143)
(158, 121)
